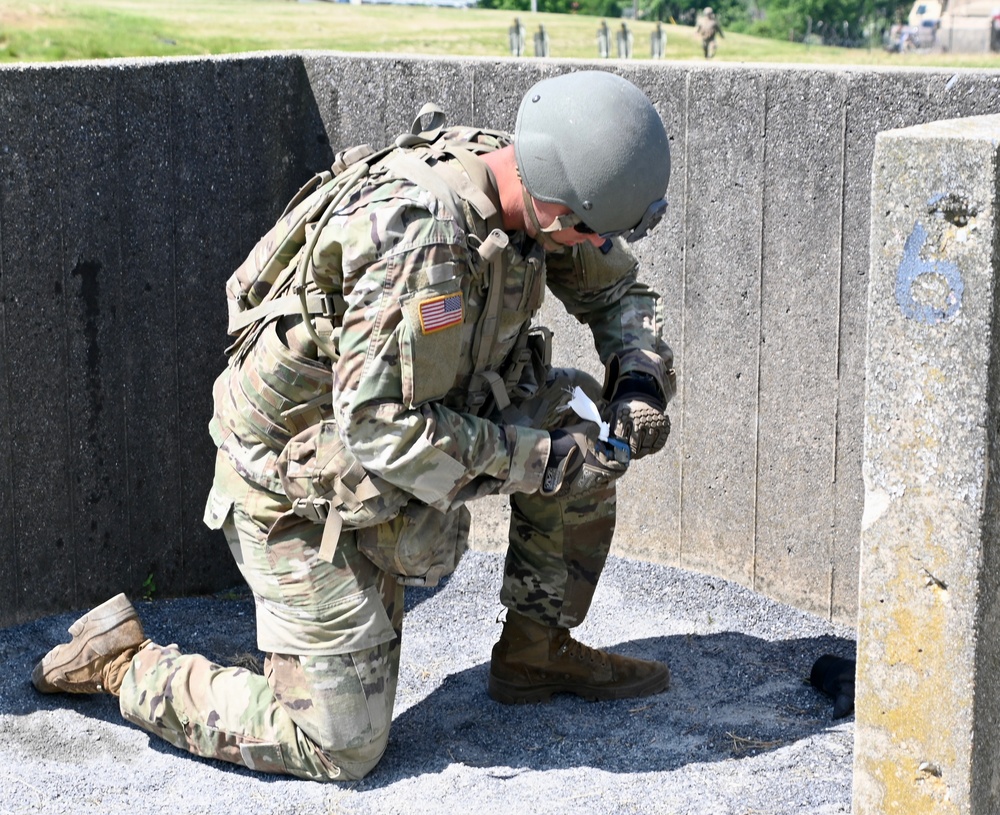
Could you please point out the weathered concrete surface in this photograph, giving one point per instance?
(929, 653)
(129, 190)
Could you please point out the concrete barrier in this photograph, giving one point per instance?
(129, 190)
(928, 650)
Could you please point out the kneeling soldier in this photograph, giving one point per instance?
(384, 373)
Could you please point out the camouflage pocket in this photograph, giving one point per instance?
(420, 545)
(320, 475)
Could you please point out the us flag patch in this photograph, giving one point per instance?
(440, 312)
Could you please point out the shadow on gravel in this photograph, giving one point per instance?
(731, 696)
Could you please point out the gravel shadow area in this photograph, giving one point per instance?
(739, 732)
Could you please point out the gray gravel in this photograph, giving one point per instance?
(738, 733)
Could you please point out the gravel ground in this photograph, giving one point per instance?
(740, 732)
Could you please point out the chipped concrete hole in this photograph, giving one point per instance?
(955, 208)
(929, 768)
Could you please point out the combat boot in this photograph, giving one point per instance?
(104, 641)
(532, 661)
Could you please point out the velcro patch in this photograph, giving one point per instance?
(441, 312)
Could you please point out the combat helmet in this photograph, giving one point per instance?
(593, 142)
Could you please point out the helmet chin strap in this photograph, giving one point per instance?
(542, 234)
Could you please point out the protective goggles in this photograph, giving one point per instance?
(651, 217)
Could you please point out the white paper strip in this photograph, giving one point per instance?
(584, 407)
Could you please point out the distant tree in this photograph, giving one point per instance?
(781, 19)
(548, 6)
(601, 8)
(731, 13)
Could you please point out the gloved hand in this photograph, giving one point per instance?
(637, 415)
(834, 676)
(579, 462)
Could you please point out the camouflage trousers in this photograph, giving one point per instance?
(331, 631)
(557, 548)
(323, 706)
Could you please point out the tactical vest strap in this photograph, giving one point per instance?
(320, 400)
(256, 278)
(497, 387)
(350, 156)
(328, 305)
(332, 528)
(310, 187)
(267, 273)
(490, 322)
(472, 189)
(494, 244)
(317, 509)
(346, 183)
(312, 509)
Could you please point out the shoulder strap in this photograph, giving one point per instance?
(405, 165)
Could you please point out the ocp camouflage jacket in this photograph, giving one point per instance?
(420, 351)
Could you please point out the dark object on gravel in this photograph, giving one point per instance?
(834, 676)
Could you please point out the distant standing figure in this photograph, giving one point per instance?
(603, 41)
(658, 42)
(541, 42)
(624, 42)
(517, 37)
(707, 27)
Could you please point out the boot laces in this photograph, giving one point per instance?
(576, 650)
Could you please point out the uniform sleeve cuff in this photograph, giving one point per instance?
(529, 451)
(640, 361)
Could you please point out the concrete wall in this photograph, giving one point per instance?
(928, 651)
(129, 191)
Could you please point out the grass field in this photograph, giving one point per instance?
(51, 30)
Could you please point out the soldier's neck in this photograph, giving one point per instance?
(503, 165)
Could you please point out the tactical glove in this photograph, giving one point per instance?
(637, 415)
(579, 462)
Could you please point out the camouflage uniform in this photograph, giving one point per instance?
(440, 392)
(708, 27)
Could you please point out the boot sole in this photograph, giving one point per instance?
(508, 693)
(97, 622)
